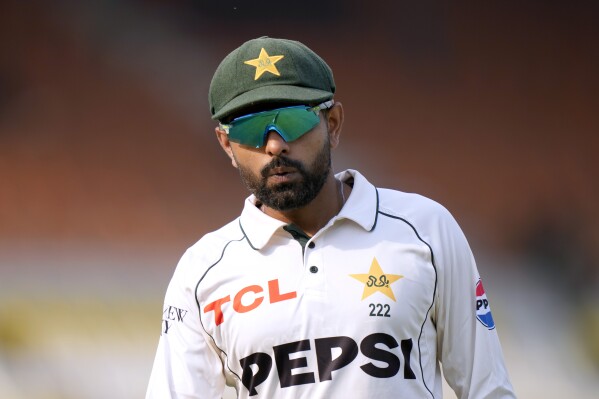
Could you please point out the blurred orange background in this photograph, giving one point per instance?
(109, 168)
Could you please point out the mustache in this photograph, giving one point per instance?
(281, 162)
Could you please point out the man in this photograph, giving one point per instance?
(325, 286)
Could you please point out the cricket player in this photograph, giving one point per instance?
(325, 286)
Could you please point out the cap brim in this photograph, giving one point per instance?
(273, 94)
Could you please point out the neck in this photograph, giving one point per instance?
(314, 216)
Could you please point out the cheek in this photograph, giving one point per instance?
(310, 143)
(247, 160)
(317, 143)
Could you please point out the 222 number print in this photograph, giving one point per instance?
(379, 310)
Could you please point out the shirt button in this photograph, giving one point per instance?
(311, 245)
(313, 269)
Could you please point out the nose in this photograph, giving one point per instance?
(275, 144)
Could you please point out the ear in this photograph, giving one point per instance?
(335, 123)
(223, 140)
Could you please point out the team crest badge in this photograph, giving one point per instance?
(483, 310)
(376, 280)
(265, 63)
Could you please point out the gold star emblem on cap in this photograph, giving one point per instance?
(376, 280)
(265, 63)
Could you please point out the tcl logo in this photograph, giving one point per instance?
(251, 296)
(256, 367)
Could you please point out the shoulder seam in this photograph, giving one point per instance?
(195, 293)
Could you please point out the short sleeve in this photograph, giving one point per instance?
(467, 340)
(187, 365)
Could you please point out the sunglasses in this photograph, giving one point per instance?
(290, 122)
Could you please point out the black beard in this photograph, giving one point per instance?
(288, 196)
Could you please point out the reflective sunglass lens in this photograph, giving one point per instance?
(291, 123)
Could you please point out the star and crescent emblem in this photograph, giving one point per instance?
(265, 63)
(376, 280)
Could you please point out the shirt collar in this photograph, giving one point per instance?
(361, 207)
(363, 203)
(257, 226)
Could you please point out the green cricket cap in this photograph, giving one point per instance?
(269, 71)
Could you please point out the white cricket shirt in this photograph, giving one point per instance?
(371, 307)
